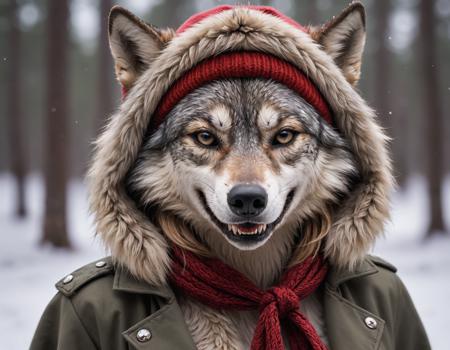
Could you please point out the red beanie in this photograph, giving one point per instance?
(240, 64)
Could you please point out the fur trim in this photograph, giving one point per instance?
(134, 241)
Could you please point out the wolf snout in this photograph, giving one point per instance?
(247, 200)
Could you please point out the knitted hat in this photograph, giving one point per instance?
(240, 65)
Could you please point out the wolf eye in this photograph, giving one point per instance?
(206, 138)
(284, 137)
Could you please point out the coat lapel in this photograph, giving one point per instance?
(346, 327)
(165, 328)
(346, 321)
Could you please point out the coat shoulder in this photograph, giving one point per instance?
(88, 274)
(382, 281)
(379, 262)
(64, 325)
(375, 292)
(376, 284)
(95, 305)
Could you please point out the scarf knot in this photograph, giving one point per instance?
(284, 299)
(219, 286)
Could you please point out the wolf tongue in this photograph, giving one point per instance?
(248, 227)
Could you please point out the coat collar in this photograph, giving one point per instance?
(126, 282)
(345, 317)
(338, 276)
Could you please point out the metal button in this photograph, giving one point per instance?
(100, 264)
(68, 279)
(371, 322)
(143, 335)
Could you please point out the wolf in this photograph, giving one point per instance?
(244, 163)
(236, 170)
(241, 158)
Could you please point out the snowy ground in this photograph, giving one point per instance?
(28, 271)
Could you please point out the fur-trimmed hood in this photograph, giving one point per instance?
(132, 239)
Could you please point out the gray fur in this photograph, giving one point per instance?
(323, 161)
(244, 97)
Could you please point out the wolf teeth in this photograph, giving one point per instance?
(261, 228)
(235, 229)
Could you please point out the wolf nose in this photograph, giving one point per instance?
(247, 200)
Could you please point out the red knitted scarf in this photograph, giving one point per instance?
(217, 285)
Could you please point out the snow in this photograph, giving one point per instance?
(424, 266)
(28, 271)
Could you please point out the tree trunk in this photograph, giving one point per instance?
(401, 126)
(17, 149)
(56, 150)
(432, 114)
(383, 65)
(386, 90)
(266, 2)
(172, 13)
(105, 68)
(312, 13)
(382, 59)
(305, 12)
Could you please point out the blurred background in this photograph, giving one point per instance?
(57, 88)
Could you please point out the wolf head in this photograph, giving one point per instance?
(242, 158)
(244, 162)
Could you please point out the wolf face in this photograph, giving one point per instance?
(241, 170)
(242, 158)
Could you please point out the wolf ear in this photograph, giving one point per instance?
(134, 44)
(343, 38)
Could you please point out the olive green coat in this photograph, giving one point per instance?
(105, 308)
